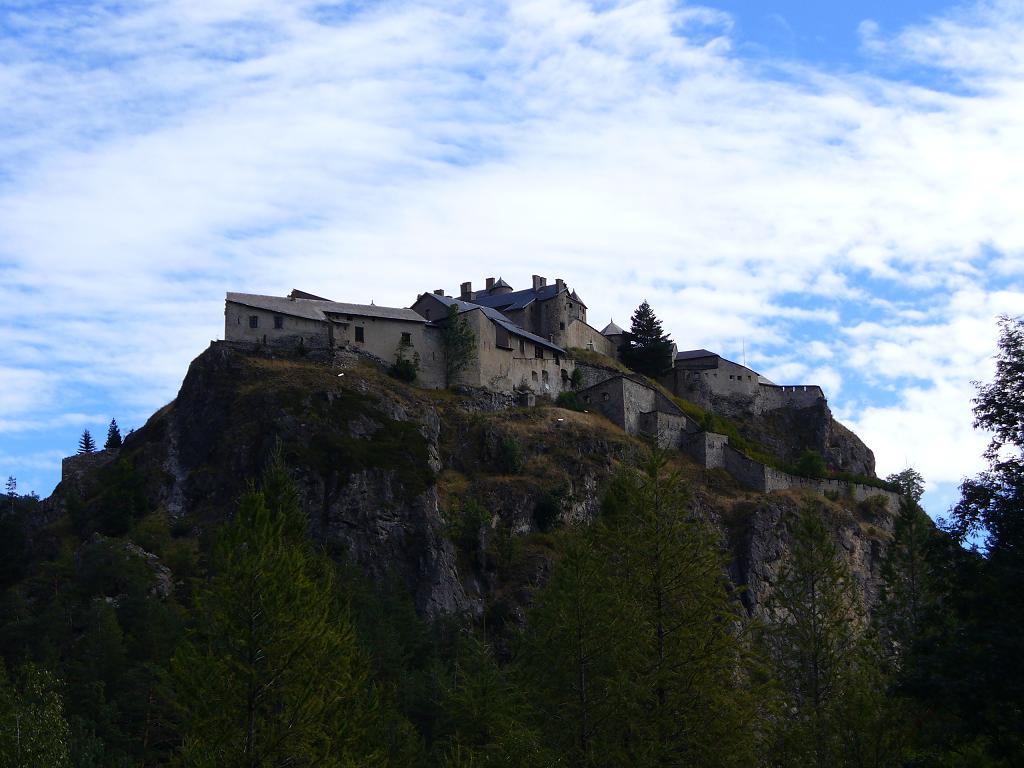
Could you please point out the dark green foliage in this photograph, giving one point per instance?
(113, 436)
(271, 673)
(407, 363)
(647, 348)
(510, 456)
(85, 443)
(810, 464)
(576, 378)
(832, 681)
(569, 400)
(546, 511)
(459, 344)
(633, 645)
(33, 730)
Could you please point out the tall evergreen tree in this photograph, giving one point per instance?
(113, 436)
(33, 730)
(271, 674)
(85, 443)
(644, 664)
(831, 676)
(647, 348)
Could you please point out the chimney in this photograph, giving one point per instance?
(490, 284)
(439, 291)
(559, 285)
(466, 291)
(539, 282)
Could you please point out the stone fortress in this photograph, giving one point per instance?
(530, 343)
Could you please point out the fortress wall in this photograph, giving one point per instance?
(667, 430)
(594, 374)
(581, 335)
(706, 448)
(771, 396)
(314, 334)
(763, 479)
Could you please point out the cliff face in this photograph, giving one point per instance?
(454, 495)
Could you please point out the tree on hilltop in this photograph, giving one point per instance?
(85, 443)
(647, 348)
(113, 436)
(459, 344)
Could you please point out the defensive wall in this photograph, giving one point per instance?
(773, 396)
(764, 479)
(584, 336)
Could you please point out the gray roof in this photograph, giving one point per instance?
(513, 302)
(318, 309)
(501, 284)
(693, 354)
(496, 317)
(612, 330)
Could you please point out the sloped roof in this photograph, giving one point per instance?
(501, 284)
(318, 309)
(576, 297)
(693, 354)
(513, 302)
(612, 330)
(496, 317)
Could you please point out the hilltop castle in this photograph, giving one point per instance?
(525, 341)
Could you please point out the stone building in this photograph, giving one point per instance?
(639, 409)
(706, 378)
(553, 312)
(508, 357)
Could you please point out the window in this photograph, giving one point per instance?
(278, 322)
(544, 376)
(254, 321)
(359, 334)
(538, 351)
(533, 375)
(407, 338)
(522, 347)
(561, 326)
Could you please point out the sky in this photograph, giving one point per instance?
(832, 192)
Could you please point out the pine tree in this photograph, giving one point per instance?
(813, 642)
(271, 673)
(85, 443)
(572, 655)
(647, 348)
(33, 730)
(687, 698)
(113, 436)
(12, 491)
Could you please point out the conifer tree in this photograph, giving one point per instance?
(647, 348)
(85, 443)
(271, 674)
(813, 642)
(33, 730)
(113, 436)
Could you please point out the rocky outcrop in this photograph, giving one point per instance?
(450, 493)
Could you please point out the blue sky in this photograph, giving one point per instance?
(832, 187)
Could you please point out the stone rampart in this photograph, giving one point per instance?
(706, 448)
(666, 429)
(772, 396)
(758, 477)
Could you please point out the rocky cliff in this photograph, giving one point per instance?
(454, 494)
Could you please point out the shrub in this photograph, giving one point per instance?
(810, 464)
(510, 456)
(569, 400)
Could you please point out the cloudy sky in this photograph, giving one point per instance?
(837, 192)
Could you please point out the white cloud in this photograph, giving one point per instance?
(157, 157)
